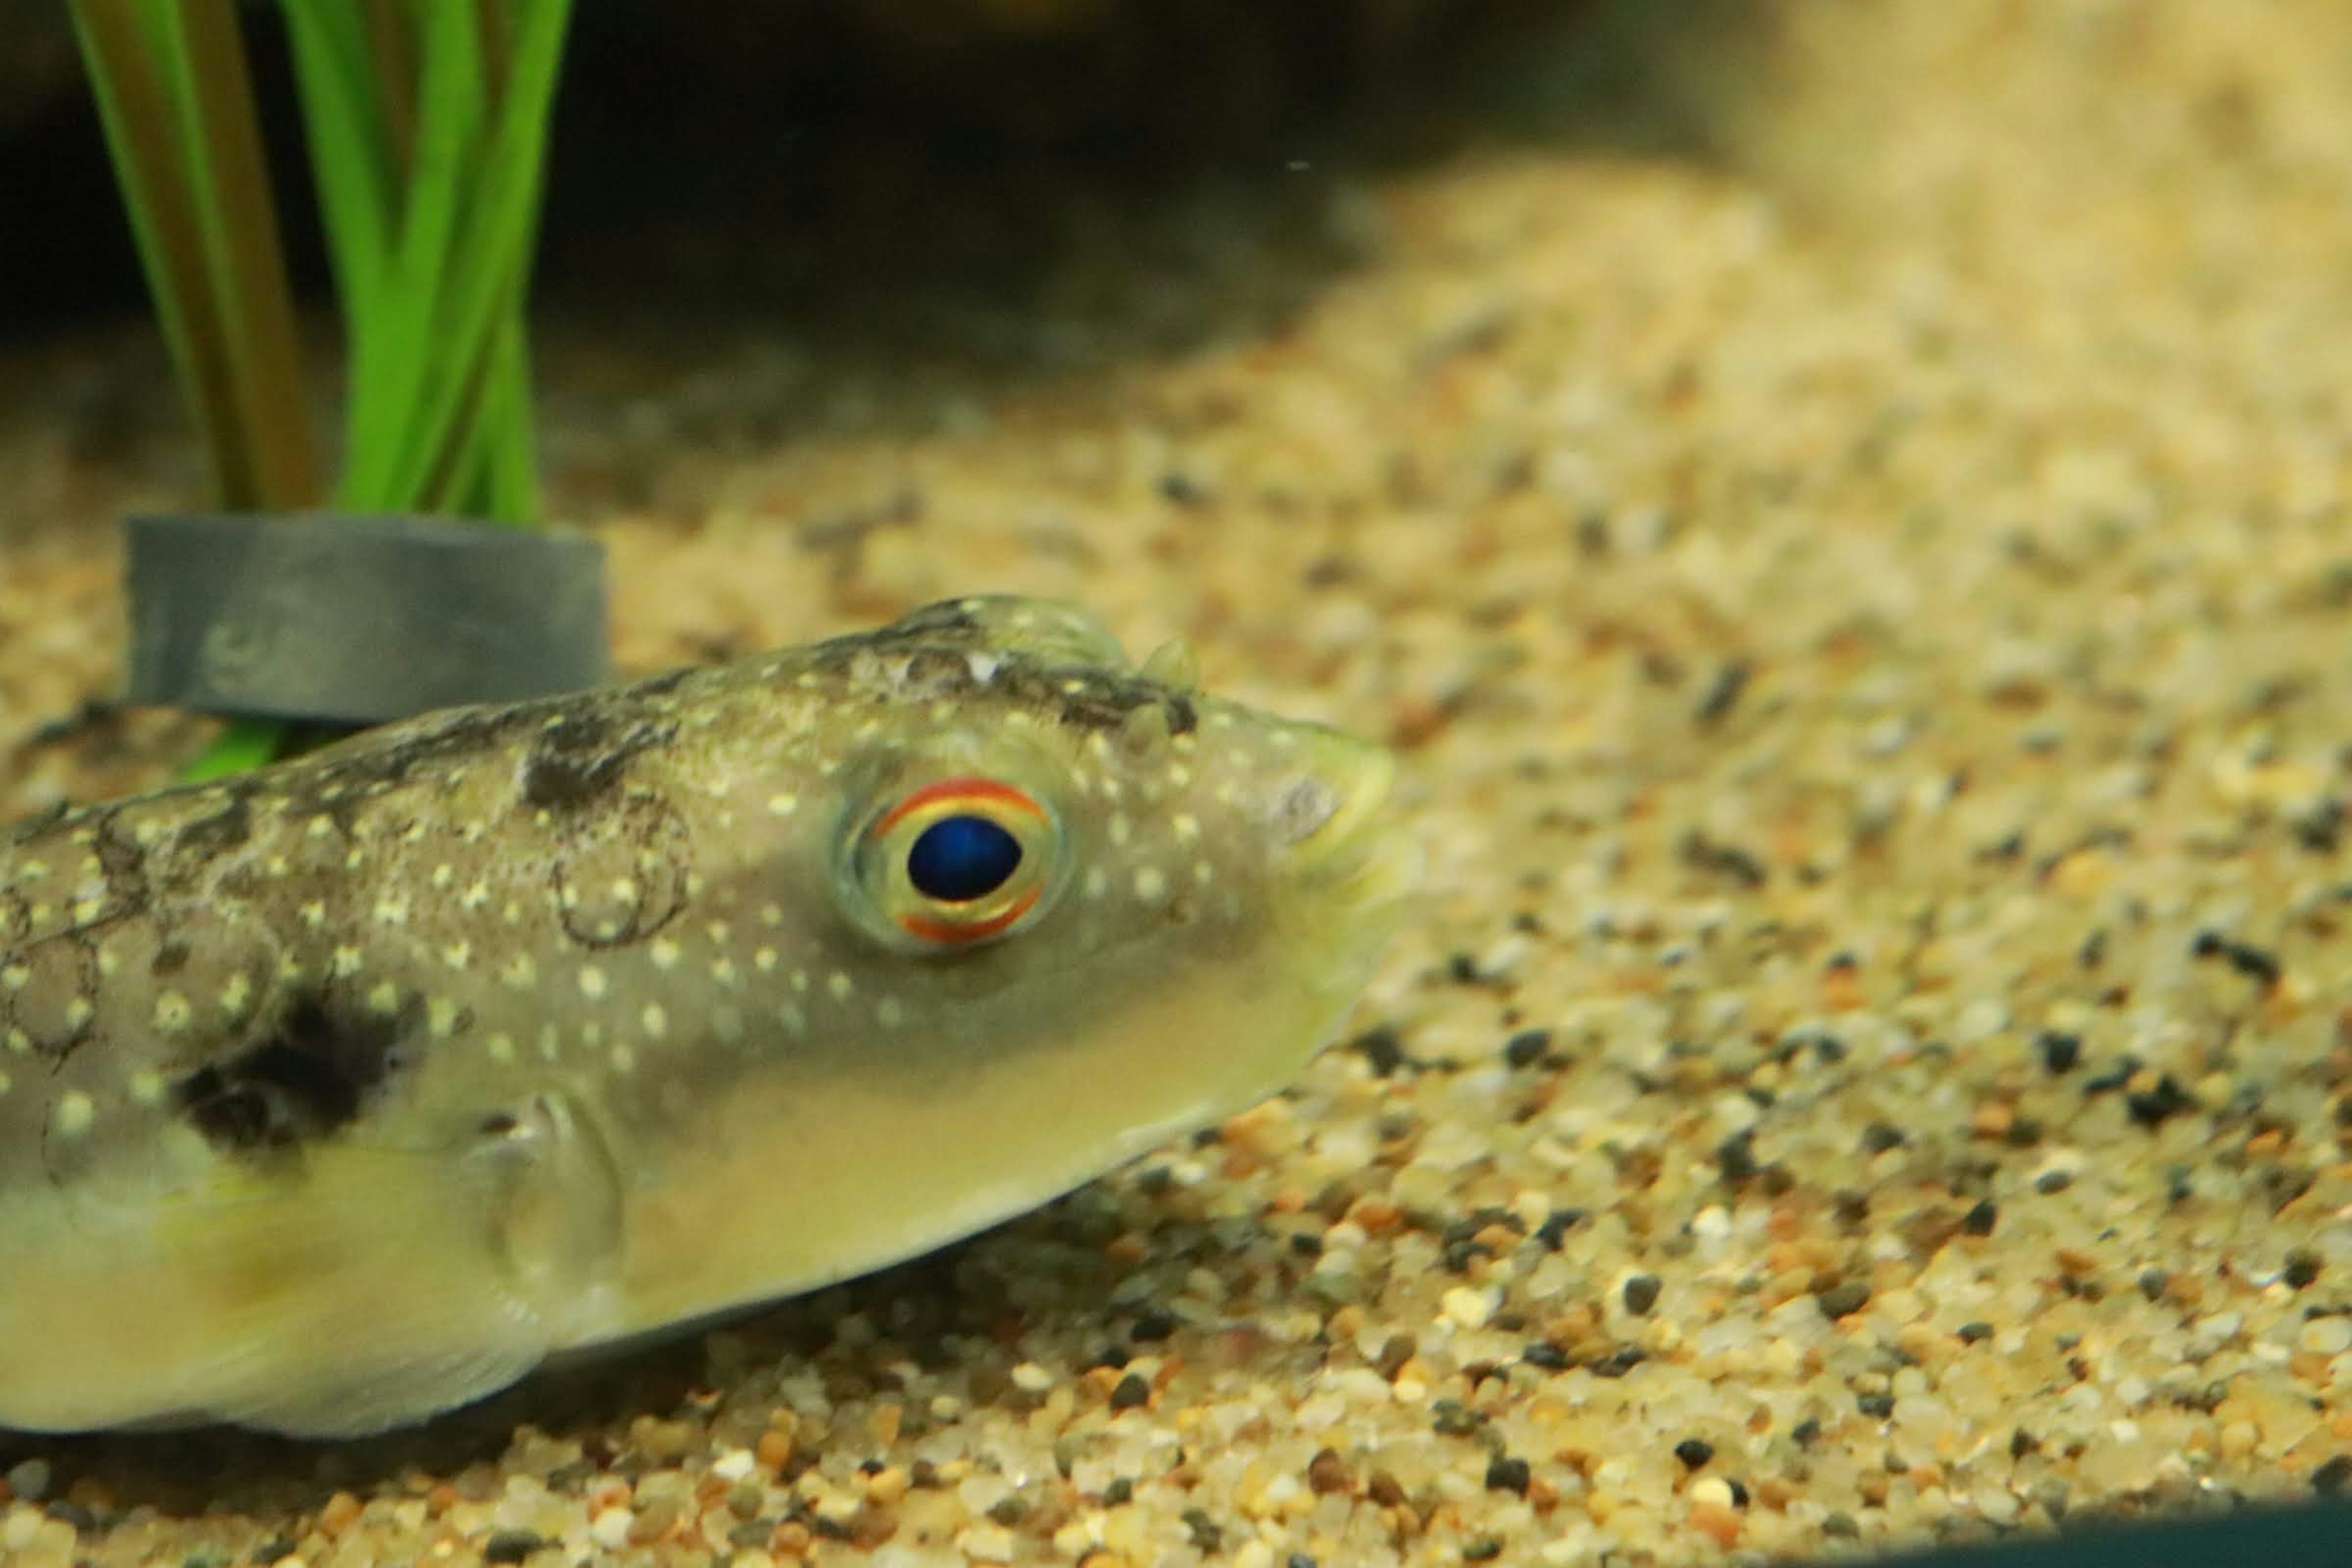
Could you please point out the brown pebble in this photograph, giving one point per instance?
(1716, 1521)
(775, 1449)
(342, 1510)
(1327, 1473)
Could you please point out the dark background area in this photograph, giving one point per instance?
(790, 157)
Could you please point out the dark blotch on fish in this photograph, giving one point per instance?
(306, 1078)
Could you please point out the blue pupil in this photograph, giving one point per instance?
(958, 859)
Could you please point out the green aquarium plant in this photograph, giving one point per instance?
(425, 123)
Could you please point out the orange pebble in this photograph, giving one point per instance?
(1717, 1523)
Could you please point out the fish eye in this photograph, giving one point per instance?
(958, 860)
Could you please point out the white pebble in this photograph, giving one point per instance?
(1469, 1307)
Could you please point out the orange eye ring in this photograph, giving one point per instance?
(959, 860)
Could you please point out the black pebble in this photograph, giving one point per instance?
(1152, 1326)
(2154, 1106)
(1132, 1389)
(1737, 1156)
(1203, 1531)
(1694, 1452)
(1620, 1362)
(2334, 1478)
(1642, 1294)
(514, 1545)
(1843, 1300)
(2253, 962)
(2302, 1268)
(2050, 1181)
(2060, 1053)
(1526, 1047)
(1557, 1225)
(1974, 1333)
(1547, 1355)
(1505, 1474)
(1879, 1136)
(1980, 1220)
(1876, 1404)
(1384, 1049)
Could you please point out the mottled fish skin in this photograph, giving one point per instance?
(346, 1092)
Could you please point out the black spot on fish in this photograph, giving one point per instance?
(229, 828)
(583, 758)
(307, 1078)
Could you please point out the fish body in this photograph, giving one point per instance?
(348, 1091)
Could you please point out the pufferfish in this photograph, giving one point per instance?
(348, 1092)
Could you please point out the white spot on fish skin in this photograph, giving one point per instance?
(664, 952)
(624, 1059)
(719, 931)
(4, 1083)
(75, 1112)
(838, 983)
(499, 1047)
(889, 1012)
(110, 962)
(171, 1013)
(783, 804)
(346, 963)
(1150, 884)
(383, 998)
(520, 973)
(235, 995)
(591, 982)
(16, 977)
(1121, 830)
(764, 960)
(476, 895)
(1098, 882)
(146, 1087)
(441, 1018)
(1186, 827)
(20, 1042)
(1202, 873)
(722, 972)
(443, 875)
(772, 915)
(624, 889)
(800, 980)
(550, 1043)
(314, 914)
(727, 1024)
(458, 954)
(794, 1019)
(656, 1021)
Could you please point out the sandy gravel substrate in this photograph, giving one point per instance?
(1858, 563)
